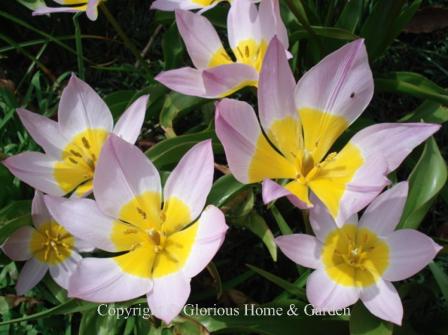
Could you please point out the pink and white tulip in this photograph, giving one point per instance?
(73, 144)
(215, 73)
(303, 121)
(359, 260)
(164, 239)
(72, 6)
(45, 246)
(171, 5)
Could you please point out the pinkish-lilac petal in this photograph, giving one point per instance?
(130, 123)
(192, 178)
(341, 84)
(44, 10)
(32, 273)
(62, 272)
(185, 80)
(35, 169)
(271, 22)
(82, 108)
(122, 173)
(383, 214)
(209, 238)
(325, 294)
(200, 38)
(221, 81)
(383, 301)
(83, 219)
(92, 9)
(272, 191)
(321, 221)
(243, 23)
(17, 246)
(83, 246)
(44, 132)
(176, 286)
(409, 252)
(102, 280)
(39, 210)
(301, 249)
(395, 141)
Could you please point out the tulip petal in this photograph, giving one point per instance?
(325, 294)
(44, 132)
(129, 125)
(185, 80)
(177, 288)
(383, 301)
(201, 39)
(301, 249)
(320, 219)
(39, 210)
(32, 273)
(383, 214)
(17, 246)
(35, 169)
(102, 280)
(43, 10)
(410, 251)
(190, 182)
(92, 9)
(331, 95)
(82, 108)
(83, 219)
(395, 141)
(243, 23)
(272, 191)
(271, 22)
(209, 238)
(250, 156)
(62, 272)
(116, 182)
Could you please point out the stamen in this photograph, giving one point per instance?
(75, 153)
(72, 160)
(246, 51)
(142, 213)
(85, 142)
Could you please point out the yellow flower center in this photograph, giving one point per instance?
(206, 3)
(155, 238)
(354, 256)
(51, 243)
(76, 168)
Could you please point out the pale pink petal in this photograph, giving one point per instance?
(221, 81)
(243, 23)
(276, 86)
(341, 84)
(409, 252)
(271, 22)
(209, 238)
(383, 301)
(394, 141)
(102, 280)
(272, 191)
(82, 108)
(44, 132)
(39, 210)
(175, 286)
(129, 125)
(167, 5)
(383, 214)
(35, 169)
(201, 39)
(301, 249)
(32, 273)
(92, 9)
(324, 294)
(185, 80)
(17, 246)
(62, 272)
(122, 173)
(83, 219)
(43, 10)
(192, 178)
(321, 221)
(83, 246)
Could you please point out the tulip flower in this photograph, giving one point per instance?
(216, 74)
(170, 5)
(300, 125)
(360, 259)
(45, 246)
(72, 6)
(163, 239)
(73, 144)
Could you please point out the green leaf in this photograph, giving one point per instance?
(413, 84)
(118, 102)
(223, 189)
(425, 181)
(328, 32)
(287, 286)
(281, 222)
(14, 216)
(93, 323)
(441, 279)
(173, 48)
(257, 225)
(364, 323)
(405, 17)
(428, 111)
(32, 4)
(350, 16)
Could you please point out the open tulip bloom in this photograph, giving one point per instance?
(303, 121)
(73, 144)
(217, 74)
(170, 5)
(360, 260)
(45, 246)
(72, 6)
(163, 240)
